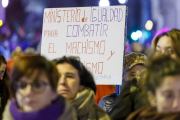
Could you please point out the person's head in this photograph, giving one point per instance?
(2, 66)
(137, 47)
(17, 52)
(73, 77)
(33, 82)
(134, 63)
(162, 83)
(167, 43)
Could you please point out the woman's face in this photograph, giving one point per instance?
(34, 93)
(164, 46)
(167, 95)
(69, 81)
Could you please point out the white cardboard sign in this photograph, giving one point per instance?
(95, 34)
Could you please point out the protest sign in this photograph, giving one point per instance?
(95, 34)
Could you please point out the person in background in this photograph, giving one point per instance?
(161, 85)
(29, 51)
(77, 85)
(33, 86)
(17, 52)
(134, 63)
(137, 47)
(4, 89)
(103, 90)
(167, 43)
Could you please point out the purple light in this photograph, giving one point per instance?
(166, 29)
(127, 47)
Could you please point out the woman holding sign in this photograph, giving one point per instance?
(33, 89)
(77, 85)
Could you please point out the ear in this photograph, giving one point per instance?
(151, 98)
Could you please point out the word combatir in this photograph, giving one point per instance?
(87, 30)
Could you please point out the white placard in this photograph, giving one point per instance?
(95, 34)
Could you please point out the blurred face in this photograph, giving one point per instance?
(167, 96)
(2, 70)
(34, 93)
(69, 81)
(164, 46)
(131, 74)
(137, 47)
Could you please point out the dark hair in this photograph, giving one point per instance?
(25, 65)
(86, 78)
(157, 68)
(2, 59)
(4, 84)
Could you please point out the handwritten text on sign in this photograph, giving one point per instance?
(96, 34)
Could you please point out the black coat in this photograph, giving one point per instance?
(129, 100)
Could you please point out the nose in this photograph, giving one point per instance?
(176, 103)
(28, 89)
(163, 52)
(62, 80)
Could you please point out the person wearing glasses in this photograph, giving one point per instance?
(77, 85)
(4, 79)
(33, 86)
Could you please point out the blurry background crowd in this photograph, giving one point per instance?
(21, 22)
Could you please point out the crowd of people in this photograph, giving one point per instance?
(34, 88)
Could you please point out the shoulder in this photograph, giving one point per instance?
(108, 97)
(68, 111)
(108, 101)
(101, 114)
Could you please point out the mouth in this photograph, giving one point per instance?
(63, 91)
(30, 103)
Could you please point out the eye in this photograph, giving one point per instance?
(69, 75)
(133, 74)
(37, 85)
(170, 52)
(22, 85)
(168, 95)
